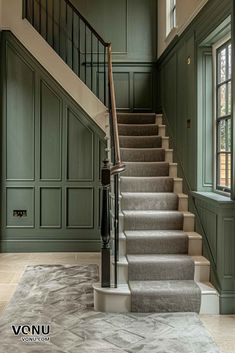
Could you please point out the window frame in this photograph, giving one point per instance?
(216, 48)
(172, 14)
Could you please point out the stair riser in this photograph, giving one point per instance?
(121, 303)
(158, 119)
(169, 156)
(183, 204)
(149, 203)
(194, 247)
(148, 170)
(140, 142)
(144, 155)
(144, 130)
(201, 273)
(143, 185)
(137, 119)
(165, 142)
(188, 224)
(151, 186)
(178, 186)
(162, 130)
(173, 170)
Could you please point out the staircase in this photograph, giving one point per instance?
(161, 267)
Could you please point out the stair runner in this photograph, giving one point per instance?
(160, 271)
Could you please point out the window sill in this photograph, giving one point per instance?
(213, 197)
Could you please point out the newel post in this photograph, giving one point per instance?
(105, 225)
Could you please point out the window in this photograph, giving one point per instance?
(223, 100)
(172, 14)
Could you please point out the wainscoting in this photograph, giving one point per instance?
(51, 153)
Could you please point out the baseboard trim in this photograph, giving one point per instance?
(17, 246)
(227, 303)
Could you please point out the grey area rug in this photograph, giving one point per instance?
(62, 297)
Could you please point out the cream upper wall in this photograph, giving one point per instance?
(186, 10)
(11, 19)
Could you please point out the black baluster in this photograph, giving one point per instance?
(59, 24)
(72, 40)
(32, 12)
(98, 68)
(79, 47)
(53, 24)
(47, 20)
(91, 62)
(66, 32)
(104, 76)
(105, 225)
(85, 53)
(40, 16)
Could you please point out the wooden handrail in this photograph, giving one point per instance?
(118, 166)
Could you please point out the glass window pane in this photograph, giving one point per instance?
(222, 100)
(222, 136)
(229, 61)
(222, 169)
(229, 134)
(229, 98)
(222, 63)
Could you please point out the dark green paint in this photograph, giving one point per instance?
(186, 100)
(51, 153)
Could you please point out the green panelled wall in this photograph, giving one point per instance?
(130, 25)
(185, 97)
(51, 153)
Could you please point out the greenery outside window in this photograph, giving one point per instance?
(223, 100)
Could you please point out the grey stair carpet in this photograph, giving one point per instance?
(143, 154)
(147, 184)
(154, 141)
(156, 242)
(137, 118)
(146, 169)
(136, 130)
(152, 267)
(160, 271)
(165, 296)
(159, 220)
(149, 201)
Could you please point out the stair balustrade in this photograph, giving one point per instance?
(90, 57)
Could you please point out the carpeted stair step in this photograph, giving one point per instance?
(137, 130)
(165, 296)
(149, 201)
(142, 154)
(156, 242)
(149, 220)
(149, 169)
(154, 141)
(146, 184)
(151, 267)
(136, 118)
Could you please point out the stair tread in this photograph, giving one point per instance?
(162, 285)
(154, 233)
(123, 288)
(158, 233)
(150, 212)
(198, 260)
